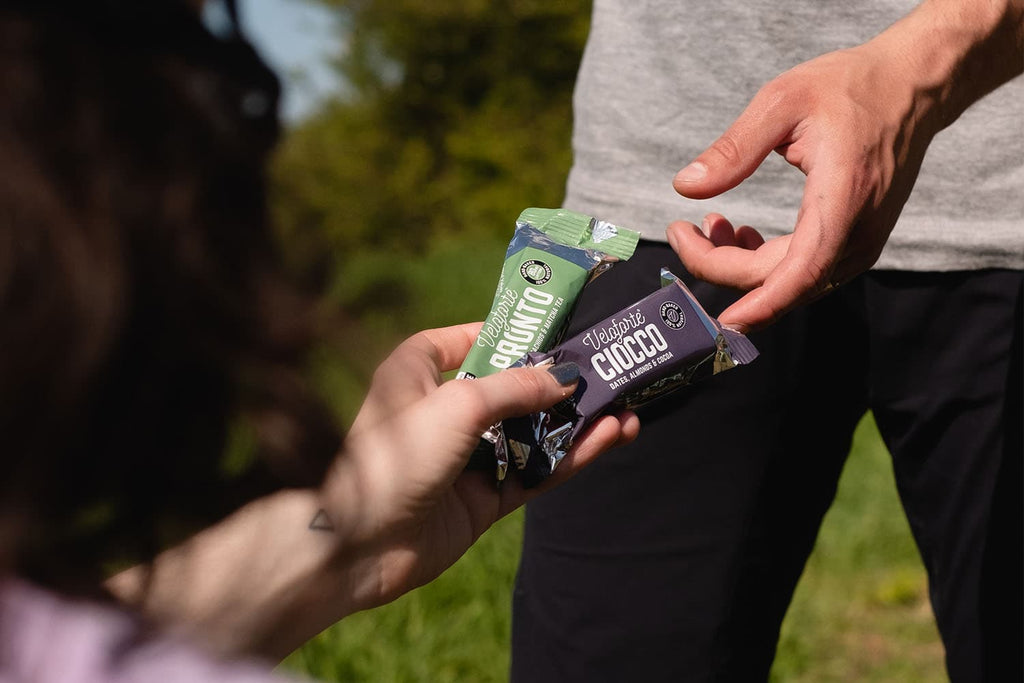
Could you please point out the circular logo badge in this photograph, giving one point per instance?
(535, 272)
(673, 315)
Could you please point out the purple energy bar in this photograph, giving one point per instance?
(655, 346)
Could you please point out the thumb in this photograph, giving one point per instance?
(520, 391)
(764, 125)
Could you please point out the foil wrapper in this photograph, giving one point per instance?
(552, 256)
(657, 345)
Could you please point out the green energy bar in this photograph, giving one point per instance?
(553, 254)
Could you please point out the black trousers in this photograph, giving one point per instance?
(675, 558)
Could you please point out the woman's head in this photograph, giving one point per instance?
(142, 306)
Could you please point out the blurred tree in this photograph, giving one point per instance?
(457, 116)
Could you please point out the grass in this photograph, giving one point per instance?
(455, 629)
(860, 612)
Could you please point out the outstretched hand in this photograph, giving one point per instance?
(851, 128)
(396, 509)
(400, 493)
(857, 123)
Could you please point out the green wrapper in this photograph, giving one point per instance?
(553, 254)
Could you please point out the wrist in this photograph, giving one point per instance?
(260, 582)
(951, 53)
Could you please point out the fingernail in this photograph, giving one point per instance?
(693, 173)
(736, 327)
(705, 227)
(565, 373)
(670, 234)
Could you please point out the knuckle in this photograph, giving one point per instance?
(815, 278)
(816, 272)
(464, 398)
(391, 367)
(771, 307)
(728, 149)
(773, 313)
(697, 267)
(775, 93)
(531, 384)
(385, 368)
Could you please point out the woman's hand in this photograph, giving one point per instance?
(396, 509)
(404, 505)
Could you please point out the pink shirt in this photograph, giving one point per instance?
(46, 638)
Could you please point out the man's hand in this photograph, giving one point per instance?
(857, 123)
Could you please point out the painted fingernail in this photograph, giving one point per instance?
(693, 173)
(565, 373)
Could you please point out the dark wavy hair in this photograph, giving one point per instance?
(145, 316)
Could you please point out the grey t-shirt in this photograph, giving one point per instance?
(661, 79)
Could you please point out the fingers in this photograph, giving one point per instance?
(608, 431)
(431, 441)
(482, 402)
(765, 124)
(805, 270)
(444, 347)
(413, 370)
(722, 234)
(783, 272)
(738, 258)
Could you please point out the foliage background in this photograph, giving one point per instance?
(399, 197)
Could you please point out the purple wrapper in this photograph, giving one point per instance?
(660, 343)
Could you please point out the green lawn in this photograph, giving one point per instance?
(860, 612)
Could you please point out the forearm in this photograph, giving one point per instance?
(954, 52)
(261, 582)
(398, 509)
